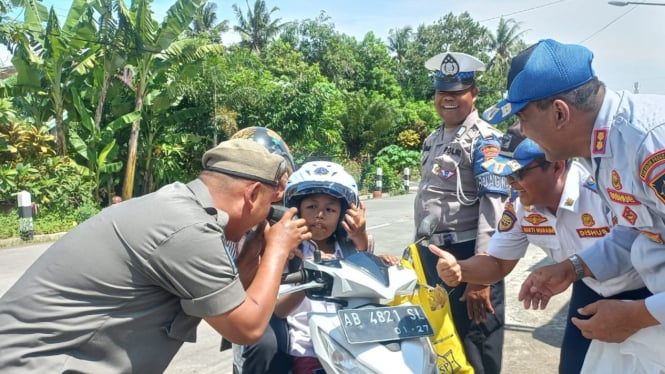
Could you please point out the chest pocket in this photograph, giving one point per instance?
(624, 198)
(450, 160)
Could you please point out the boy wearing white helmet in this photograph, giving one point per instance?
(327, 198)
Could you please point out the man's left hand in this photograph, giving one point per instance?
(613, 321)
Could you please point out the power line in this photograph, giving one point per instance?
(609, 24)
(523, 10)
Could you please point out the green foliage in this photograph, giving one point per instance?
(398, 158)
(44, 223)
(353, 167)
(84, 212)
(392, 160)
(106, 66)
(391, 181)
(409, 139)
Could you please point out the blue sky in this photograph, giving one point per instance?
(627, 41)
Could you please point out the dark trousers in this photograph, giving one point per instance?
(483, 342)
(575, 345)
(269, 354)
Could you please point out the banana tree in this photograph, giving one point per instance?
(106, 58)
(147, 50)
(47, 53)
(97, 146)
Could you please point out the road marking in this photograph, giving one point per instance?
(378, 226)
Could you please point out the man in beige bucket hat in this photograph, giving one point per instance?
(124, 289)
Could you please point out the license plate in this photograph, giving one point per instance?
(369, 325)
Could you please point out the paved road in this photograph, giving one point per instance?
(532, 337)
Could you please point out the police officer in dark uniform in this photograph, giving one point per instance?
(468, 200)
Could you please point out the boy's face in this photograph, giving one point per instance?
(322, 213)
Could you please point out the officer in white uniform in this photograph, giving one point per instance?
(565, 108)
(467, 199)
(559, 211)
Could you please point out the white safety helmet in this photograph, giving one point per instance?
(323, 177)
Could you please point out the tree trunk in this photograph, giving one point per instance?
(130, 168)
(60, 129)
(100, 102)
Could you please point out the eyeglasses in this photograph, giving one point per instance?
(519, 175)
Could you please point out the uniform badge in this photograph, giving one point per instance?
(629, 215)
(622, 197)
(570, 201)
(616, 180)
(599, 141)
(538, 230)
(490, 151)
(587, 220)
(657, 184)
(446, 174)
(449, 66)
(507, 221)
(654, 236)
(535, 219)
(593, 232)
(651, 162)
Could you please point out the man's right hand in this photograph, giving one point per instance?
(545, 282)
(447, 267)
(287, 233)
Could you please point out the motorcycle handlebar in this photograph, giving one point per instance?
(296, 277)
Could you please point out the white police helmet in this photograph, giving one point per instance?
(323, 177)
(453, 71)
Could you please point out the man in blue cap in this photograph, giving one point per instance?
(563, 106)
(556, 208)
(468, 201)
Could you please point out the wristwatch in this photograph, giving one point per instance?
(577, 265)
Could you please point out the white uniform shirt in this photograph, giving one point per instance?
(580, 220)
(628, 152)
(300, 339)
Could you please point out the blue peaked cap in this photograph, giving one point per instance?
(504, 165)
(545, 69)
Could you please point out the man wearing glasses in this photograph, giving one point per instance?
(556, 208)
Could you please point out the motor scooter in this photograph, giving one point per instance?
(366, 334)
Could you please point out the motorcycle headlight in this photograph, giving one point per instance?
(342, 360)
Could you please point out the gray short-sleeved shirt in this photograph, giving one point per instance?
(124, 290)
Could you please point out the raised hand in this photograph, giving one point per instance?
(354, 224)
(287, 233)
(447, 267)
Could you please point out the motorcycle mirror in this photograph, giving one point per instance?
(427, 227)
